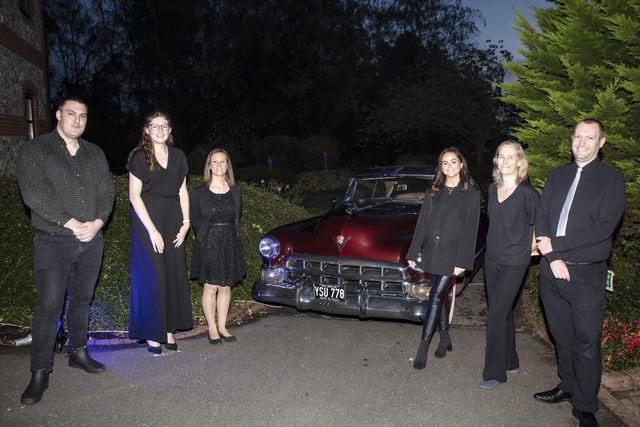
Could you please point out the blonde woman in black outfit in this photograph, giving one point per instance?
(218, 262)
(445, 237)
(511, 209)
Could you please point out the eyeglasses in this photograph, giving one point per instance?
(587, 138)
(154, 127)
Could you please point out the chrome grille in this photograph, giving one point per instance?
(356, 275)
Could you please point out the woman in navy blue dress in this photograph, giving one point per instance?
(160, 299)
(218, 262)
(511, 209)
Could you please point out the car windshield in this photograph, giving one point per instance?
(380, 189)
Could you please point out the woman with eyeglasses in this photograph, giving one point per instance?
(444, 243)
(160, 300)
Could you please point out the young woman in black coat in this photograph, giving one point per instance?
(445, 242)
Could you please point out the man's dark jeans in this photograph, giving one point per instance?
(62, 263)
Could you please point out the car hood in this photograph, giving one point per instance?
(379, 233)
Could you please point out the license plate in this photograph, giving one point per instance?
(329, 292)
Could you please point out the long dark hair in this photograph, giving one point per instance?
(439, 180)
(145, 140)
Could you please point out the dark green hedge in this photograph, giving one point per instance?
(262, 211)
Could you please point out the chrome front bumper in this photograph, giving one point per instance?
(362, 304)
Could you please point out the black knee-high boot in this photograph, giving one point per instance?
(440, 287)
(445, 339)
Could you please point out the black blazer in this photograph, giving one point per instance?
(446, 231)
(200, 206)
(597, 208)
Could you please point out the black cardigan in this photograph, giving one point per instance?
(200, 206)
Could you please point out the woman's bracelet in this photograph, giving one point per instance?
(186, 221)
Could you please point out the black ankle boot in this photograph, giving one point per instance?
(37, 386)
(79, 358)
(444, 346)
(445, 339)
(420, 361)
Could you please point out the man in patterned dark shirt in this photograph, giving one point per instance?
(66, 183)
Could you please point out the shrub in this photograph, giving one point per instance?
(110, 309)
(17, 293)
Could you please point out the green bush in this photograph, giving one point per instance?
(261, 212)
(17, 293)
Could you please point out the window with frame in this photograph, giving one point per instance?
(29, 115)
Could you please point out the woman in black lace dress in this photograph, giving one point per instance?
(217, 262)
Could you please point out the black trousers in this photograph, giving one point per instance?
(503, 283)
(62, 264)
(575, 312)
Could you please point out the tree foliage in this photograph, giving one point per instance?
(582, 61)
(371, 79)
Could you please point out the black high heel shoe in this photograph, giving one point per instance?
(228, 338)
(214, 342)
(154, 350)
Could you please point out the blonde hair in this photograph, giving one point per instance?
(208, 176)
(522, 163)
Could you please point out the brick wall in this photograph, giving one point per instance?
(23, 61)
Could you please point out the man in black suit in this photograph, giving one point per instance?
(580, 209)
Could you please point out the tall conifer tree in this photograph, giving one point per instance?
(582, 60)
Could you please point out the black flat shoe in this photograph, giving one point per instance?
(154, 350)
(552, 396)
(214, 342)
(228, 338)
(173, 346)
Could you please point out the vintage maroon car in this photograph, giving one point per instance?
(351, 261)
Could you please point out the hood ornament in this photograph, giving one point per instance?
(341, 241)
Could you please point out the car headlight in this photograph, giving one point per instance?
(419, 292)
(269, 247)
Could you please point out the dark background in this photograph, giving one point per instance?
(310, 84)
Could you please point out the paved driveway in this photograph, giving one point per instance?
(292, 370)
